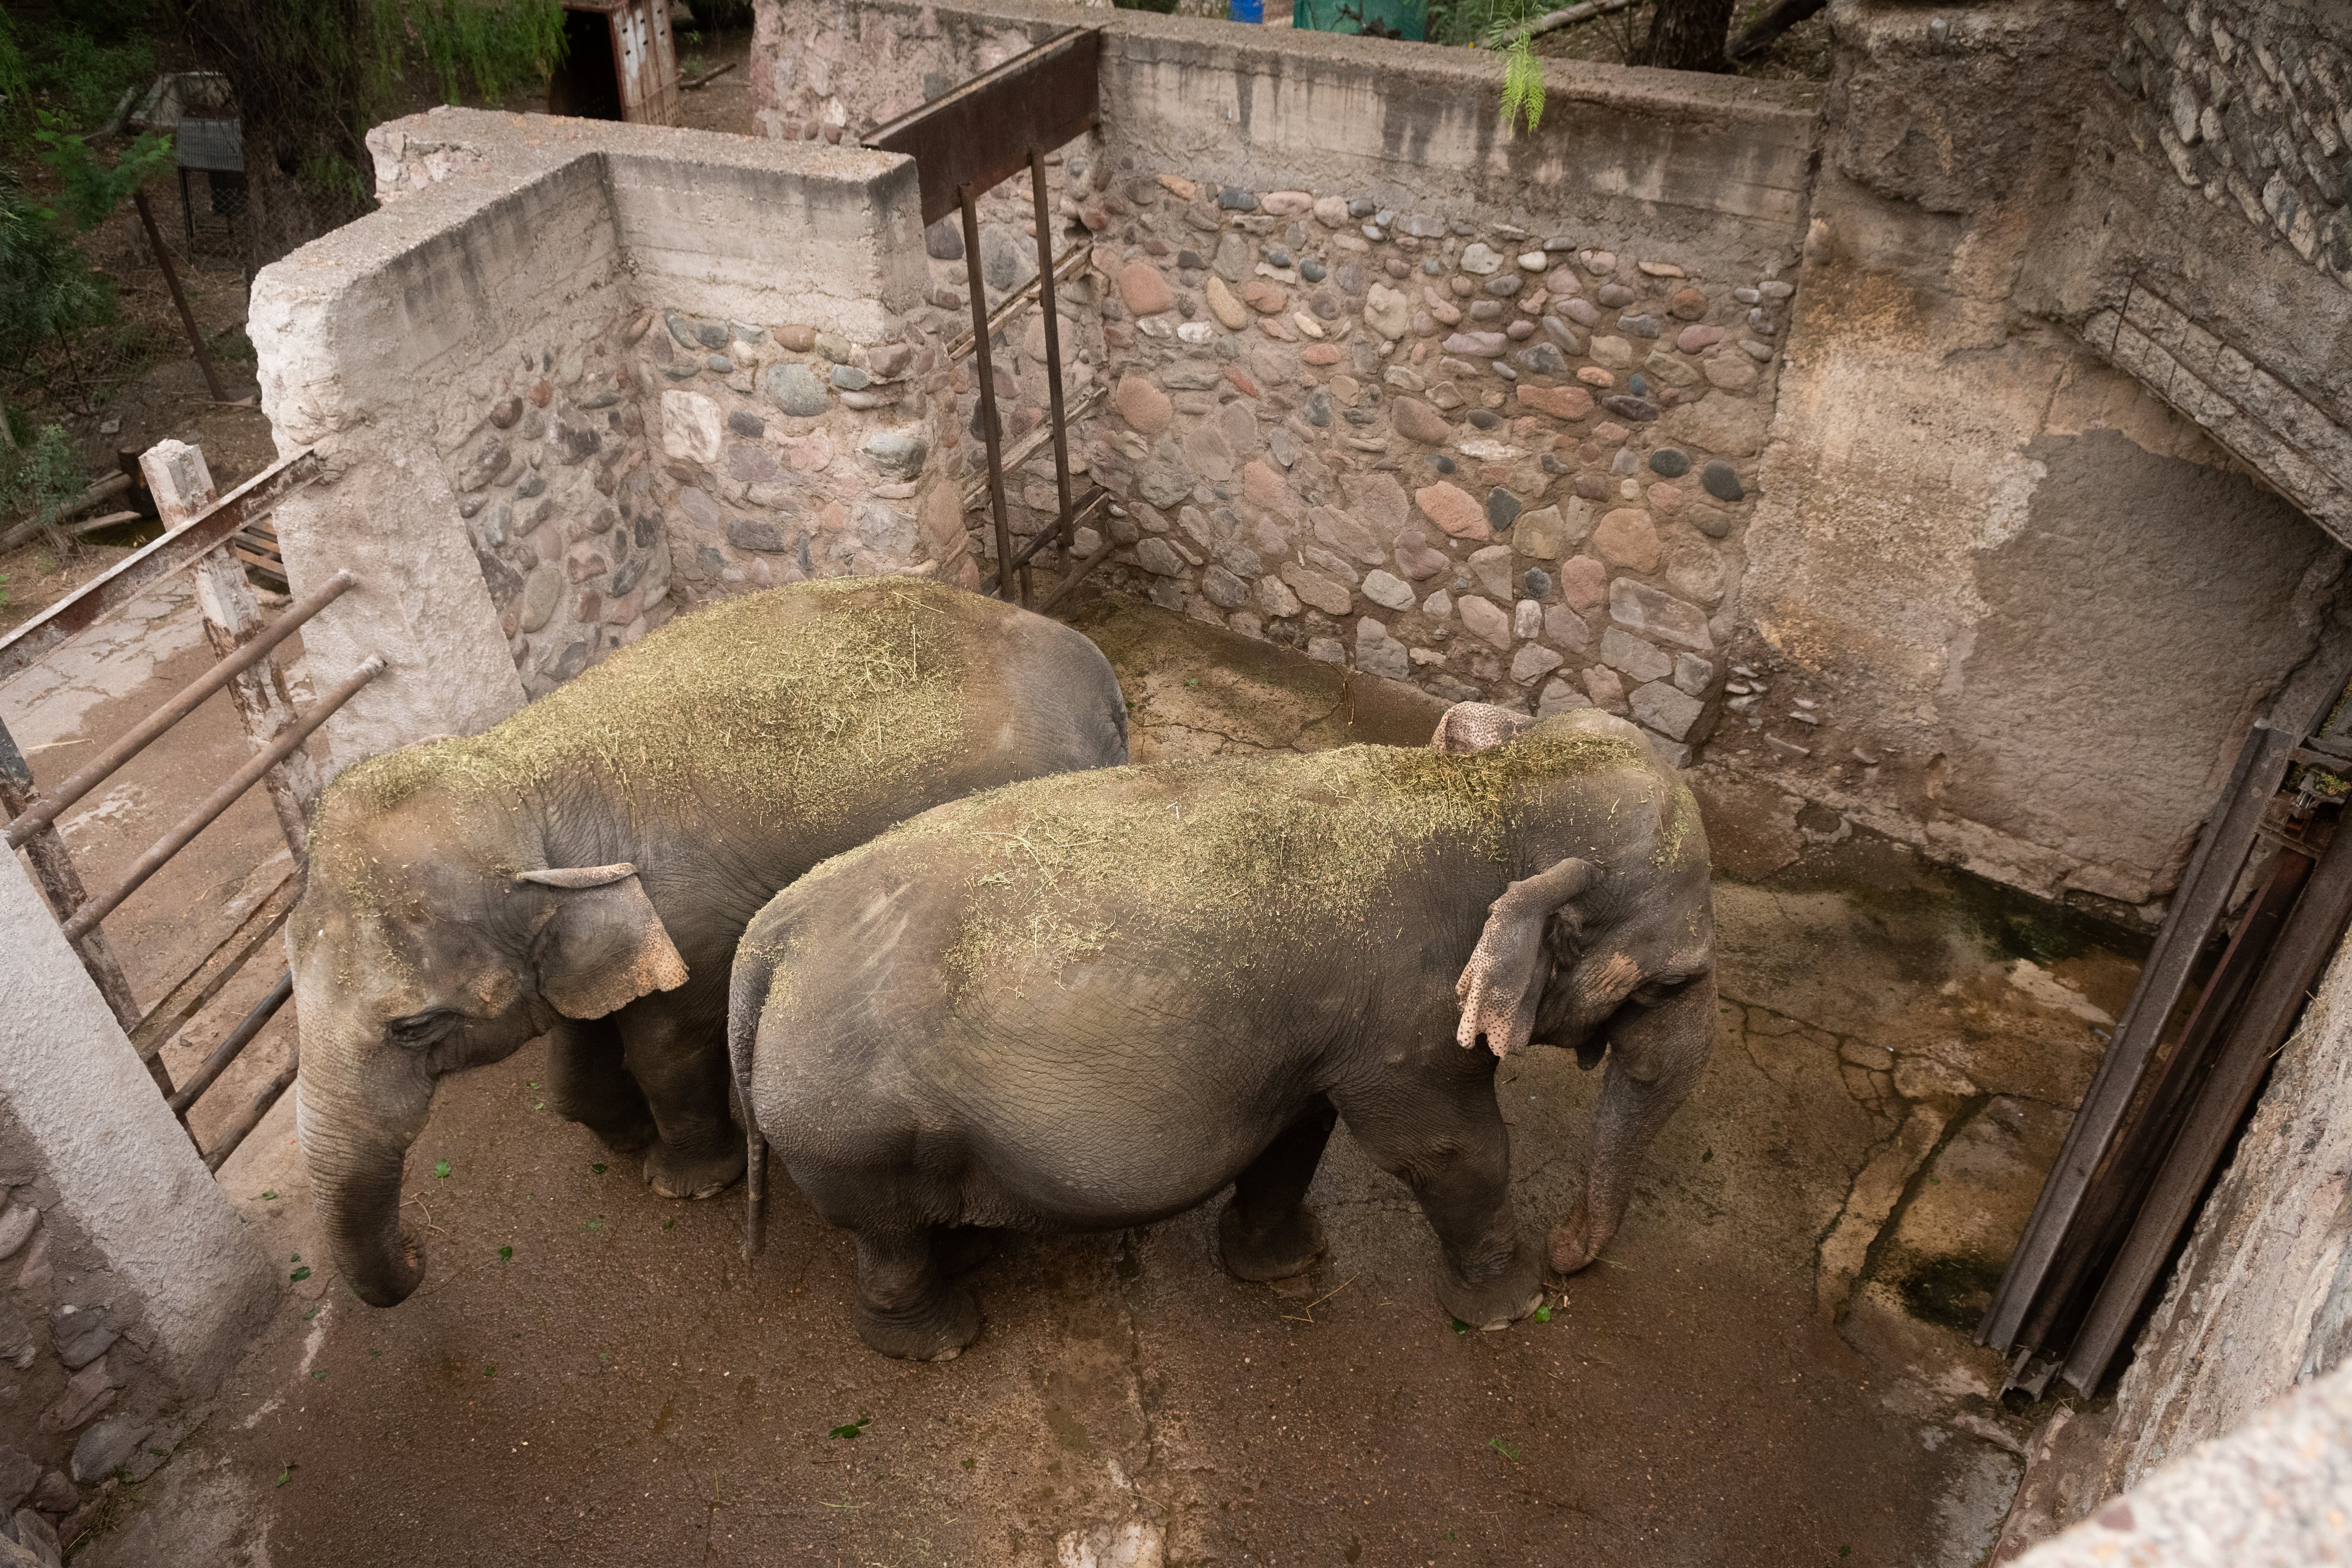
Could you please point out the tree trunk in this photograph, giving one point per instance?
(1686, 36)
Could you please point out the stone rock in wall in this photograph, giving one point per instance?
(1378, 653)
(1143, 405)
(1560, 696)
(1327, 593)
(1346, 536)
(1159, 557)
(1453, 509)
(1007, 257)
(19, 1473)
(1143, 290)
(1224, 589)
(1483, 620)
(18, 1345)
(87, 1393)
(1606, 688)
(1661, 614)
(1732, 426)
(1387, 313)
(1694, 571)
(1532, 662)
(1491, 569)
(793, 388)
(1541, 533)
(759, 535)
(105, 1447)
(1566, 628)
(1560, 402)
(17, 1226)
(487, 461)
(1377, 500)
(81, 1334)
(1274, 597)
(1388, 591)
(1626, 538)
(897, 455)
(1634, 656)
(943, 241)
(692, 427)
(1415, 558)
(1662, 708)
(1417, 421)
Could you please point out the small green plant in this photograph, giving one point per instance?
(851, 1430)
(506, 1254)
(91, 190)
(441, 1169)
(1523, 85)
(1510, 1453)
(43, 479)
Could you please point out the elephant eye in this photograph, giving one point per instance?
(421, 1028)
(1652, 992)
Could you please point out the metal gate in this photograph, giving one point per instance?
(202, 529)
(964, 143)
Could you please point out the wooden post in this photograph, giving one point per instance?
(172, 281)
(182, 484)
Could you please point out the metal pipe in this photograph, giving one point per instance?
(237, 1131)
(220, 800)
(1062, 588)
(1065, 525)
(179, 298)
(1038, 541)
(1072, 260)
(988, 425)
(55, 803)
(231, 1047)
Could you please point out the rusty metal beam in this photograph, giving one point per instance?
(980, 132)
(189, 994)
(181, 548)
(53, 802)
(220, 800)
(231, 1045)
(236, 1131)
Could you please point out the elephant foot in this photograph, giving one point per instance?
(1573, 1243)
(1283, 1250)
(626, 1137)
(1515, 1291)
(935, 1329)
(964, 1247)
(674, 1173)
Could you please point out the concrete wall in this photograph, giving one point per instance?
(566, 384)
(127, 1284)
(2032, 605)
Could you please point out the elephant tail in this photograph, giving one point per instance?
(747, 999)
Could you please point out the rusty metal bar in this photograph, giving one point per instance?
(989, 429)
(2221, 854)
(1063, 525)
(51, 804)
(61, 885)
(2259, 1033)
(980, 132)
(236, 1131)
(189, 994)
(1026, 448)
(232, 1046)
(1037, 541)
(220, 800)
(182, 547)
(1062, 588)
(1073, 262)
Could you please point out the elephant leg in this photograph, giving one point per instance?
(680, 1062)
(588, 1082)
(1655, 1058)
(1444, 1137)
(1267, 1232)
(906, 1305)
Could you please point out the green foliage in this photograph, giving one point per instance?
(91, 190)
(43, 477)
(498, 45)
(1483, 24)
(51, 288)
(1523, 86)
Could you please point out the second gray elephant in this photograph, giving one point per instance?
(1091, 1002)
(584, 870)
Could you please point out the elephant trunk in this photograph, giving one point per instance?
(355, 1166)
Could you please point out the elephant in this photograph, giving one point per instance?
(584, 869)
(1091, 1002)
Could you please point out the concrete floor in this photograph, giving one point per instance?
(1764, 1367)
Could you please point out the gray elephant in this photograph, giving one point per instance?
(584, 870)
(1092, 1002)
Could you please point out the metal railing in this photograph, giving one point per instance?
(965, 142)
(200, 529)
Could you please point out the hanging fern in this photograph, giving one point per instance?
(1523, 85)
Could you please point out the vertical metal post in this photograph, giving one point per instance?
(61, 885)
(172, 281)
(1063, 526)
(989, 428)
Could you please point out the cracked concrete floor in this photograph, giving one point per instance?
(1763, 1369)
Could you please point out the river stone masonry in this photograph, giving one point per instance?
(614, 479)
(1499, 465)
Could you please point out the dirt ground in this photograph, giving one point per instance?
(1767, 1365)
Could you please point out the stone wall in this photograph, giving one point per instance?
(1481, 419)
(573, 377)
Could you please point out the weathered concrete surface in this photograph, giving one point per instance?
(1984, 553)
(622, 1389)
(2271, 1494)
(1661, 159)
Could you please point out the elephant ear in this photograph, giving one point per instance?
(1477, 727)
(606, 945)
(1504, 978)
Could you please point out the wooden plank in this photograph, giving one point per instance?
(2220, 855)
(2261, 1028)
(180, 548)
(979, 133)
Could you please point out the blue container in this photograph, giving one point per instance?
(1251, 11)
